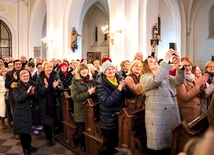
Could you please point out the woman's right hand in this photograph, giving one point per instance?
(168, 55)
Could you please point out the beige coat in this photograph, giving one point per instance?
(2, 101)
(188, 101)
(137, 101)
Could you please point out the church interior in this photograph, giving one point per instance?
(114, 28)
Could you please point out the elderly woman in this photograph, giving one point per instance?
(82, 88)
(189, 93)
(133, 82)
(50, 89)
(112, 90)
(161, 110)
(24, 94)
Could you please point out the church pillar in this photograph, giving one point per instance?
(22, 30)
(54, 29)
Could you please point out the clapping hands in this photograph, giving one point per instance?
(121, 85)
(91, 90)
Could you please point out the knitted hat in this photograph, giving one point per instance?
(105, 65)
(63, 64)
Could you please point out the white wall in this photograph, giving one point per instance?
(203, 47)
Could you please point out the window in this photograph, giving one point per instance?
(96, 34)
(159, 26)
(5, 41)
(211, 22)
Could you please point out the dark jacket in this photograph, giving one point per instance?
(79, 94)
(111, 101)
(8, 81)
(55, 100)
(22, 112)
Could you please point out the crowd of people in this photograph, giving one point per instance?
(171, 90)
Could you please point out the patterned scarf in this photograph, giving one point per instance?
(190, 77)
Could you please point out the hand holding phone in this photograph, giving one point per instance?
(173, 46)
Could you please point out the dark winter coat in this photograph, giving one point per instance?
(22, 112)
(55, 100)
(8, 81)
(111, 101)
(79, 94)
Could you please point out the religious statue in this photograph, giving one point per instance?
(73, 36)
(155, 31)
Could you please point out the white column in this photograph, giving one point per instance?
(22, 29)
(54, 29)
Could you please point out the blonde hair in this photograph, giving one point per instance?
(22, 72)
(3, 69)
(133, 64)
(96, 62)
(91, 68)
(75, 62)
(80, 67)
(46, 63)
(208, 64)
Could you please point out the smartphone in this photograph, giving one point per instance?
(173, 46)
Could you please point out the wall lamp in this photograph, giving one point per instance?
(110, 34)
(46, 41)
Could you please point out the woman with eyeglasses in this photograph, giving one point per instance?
(161, 109)
(190, 92)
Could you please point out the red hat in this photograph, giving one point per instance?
(104, 59)
(63, 64)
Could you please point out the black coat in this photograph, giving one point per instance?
(22, 112)
(8, 81)
(111, 100)
(56, 94)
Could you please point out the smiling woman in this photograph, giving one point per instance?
(190, 92)
(112, 91)
(159, 88)
(25, 95)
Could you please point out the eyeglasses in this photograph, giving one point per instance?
(187, 66)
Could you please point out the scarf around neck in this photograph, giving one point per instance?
(190, 77)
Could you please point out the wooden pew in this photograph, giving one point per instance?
(132, 132)
(69, 126)
(95, 141)
(183, 132)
